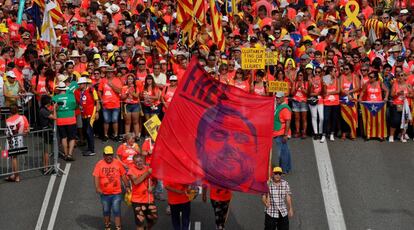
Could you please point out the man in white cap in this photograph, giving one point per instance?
(88, 101)
(12, 88)
(64, 111)
(281, 130)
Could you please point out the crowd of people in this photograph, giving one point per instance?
(108, 73)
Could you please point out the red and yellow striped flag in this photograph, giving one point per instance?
(218, 36)
(185, 19)
(200, 11)
(55, 13)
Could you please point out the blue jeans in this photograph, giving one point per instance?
(183, 222)
(111, 203)
(89, 134)
(110, 115)
(282, 149)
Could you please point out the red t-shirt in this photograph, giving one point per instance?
(109, 176)
(220, 194)
(130, 99)
(110, 99)
(126, 153)
(284, 115)
(176, 198)
(140, 192)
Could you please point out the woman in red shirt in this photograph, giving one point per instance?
(151, 98)
(330, 91)
(300, 107)
(168, 92)
(259, 86)
(239, 81)
(372, 91)
(400, 91)
(316, 110)
(130, 95)
(126, 151)
(349, 85)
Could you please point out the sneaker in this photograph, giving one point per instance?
(105, 139)
(323, 138)
(406, 137)
(391, 139)
(315, 137)
(118, 139)
(403, 140)
(331, 137)
(88, 153)
(168, 210)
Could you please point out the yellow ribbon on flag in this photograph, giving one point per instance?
(352, 15)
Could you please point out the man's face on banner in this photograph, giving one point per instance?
(226, 155)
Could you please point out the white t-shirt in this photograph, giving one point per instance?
(160, 80)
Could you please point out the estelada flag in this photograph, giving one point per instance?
(214, 133)
(374, 119)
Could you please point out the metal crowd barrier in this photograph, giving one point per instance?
(37, 150)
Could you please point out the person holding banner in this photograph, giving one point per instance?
(180, 204)
(278, 202)
(142, 196)
(220, 200)
(400, 91)
(281, 131)
(373, 107)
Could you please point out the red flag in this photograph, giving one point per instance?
(216, 133)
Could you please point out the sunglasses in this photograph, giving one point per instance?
(318, 72)
(364, 70)
(347, 69)
(277, 173)
(141, 64)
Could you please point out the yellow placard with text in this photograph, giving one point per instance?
(271, 58)
(253, 58)
(278, 86)
(152, 126)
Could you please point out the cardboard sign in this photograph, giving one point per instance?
(271, 58)
(152, 126)
(253, 58)
(278, 86)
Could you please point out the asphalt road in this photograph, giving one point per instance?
(375, 184)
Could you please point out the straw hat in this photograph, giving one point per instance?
(74, 54)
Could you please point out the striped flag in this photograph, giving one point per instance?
(374, 120)
(200, 11)
(185, 20)
(48, 31)
(156, 37)
(350, 115)
(218, 36)
(56, 12)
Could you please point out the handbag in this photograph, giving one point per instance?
(313, 100)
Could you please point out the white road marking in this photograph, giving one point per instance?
(329, 191)
(197, 225)
(59, 197)
(46, 202)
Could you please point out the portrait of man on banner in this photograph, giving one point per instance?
(226, 155)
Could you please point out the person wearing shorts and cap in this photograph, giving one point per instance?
(108, 174)
(281, 131)
(64, 111)
(278, 202)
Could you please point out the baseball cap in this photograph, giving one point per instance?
(173, 78)
(309, 66)
(277, 170)
(108, 150)
(10, 74)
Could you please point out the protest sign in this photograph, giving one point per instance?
(271, 58)
(253, 58)
(152, 126)
(278, 86)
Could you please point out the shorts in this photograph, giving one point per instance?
(79, 123)
(132, 108)
(299, 106)
(395, 118)
(111, 203)
(110, 115)
(67, 131)
(149, 110)
(145, 212)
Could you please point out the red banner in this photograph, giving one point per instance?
(215, 133)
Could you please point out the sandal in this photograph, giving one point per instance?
(108, 226)
(118, 228)
(12, 179)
